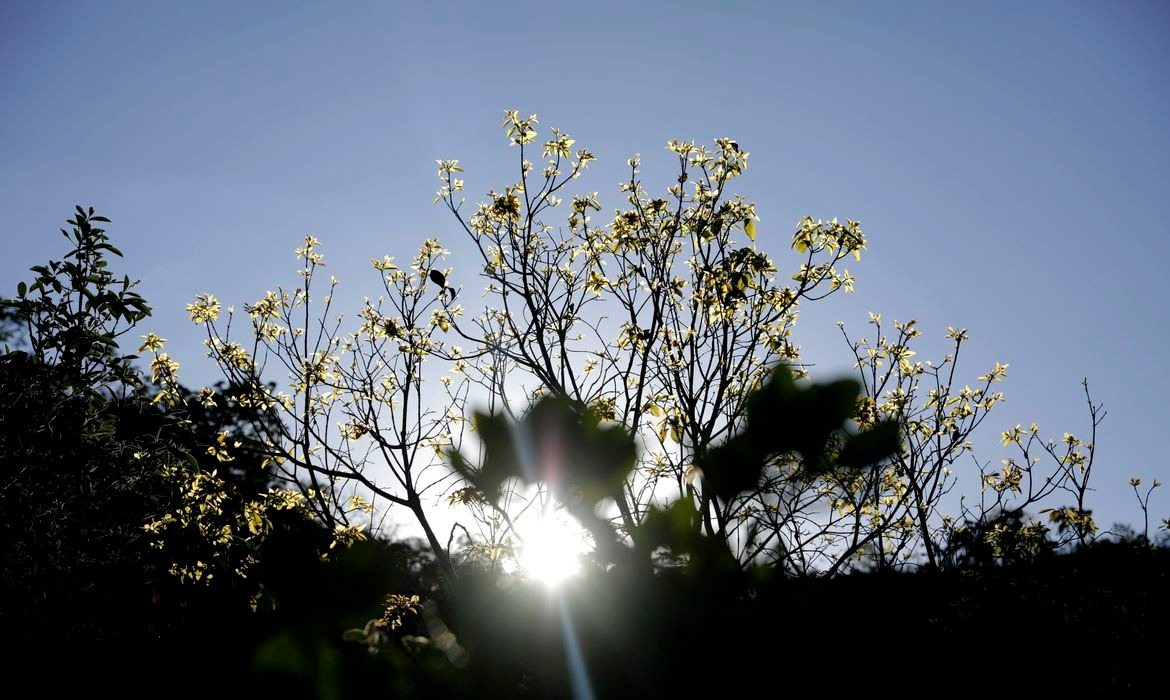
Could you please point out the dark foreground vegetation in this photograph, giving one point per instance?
(250, 595)
(1088, 621)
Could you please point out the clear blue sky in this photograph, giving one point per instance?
(1007, 160)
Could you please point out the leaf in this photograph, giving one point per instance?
(750, 229)
(783, 417)
(735, 466)
(872, 446)
(667, 527)
(500, 461)
(190, 459)
(676, 528)
(558, 442)
(354, 635)
(21, 290)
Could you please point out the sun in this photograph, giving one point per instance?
(552, 544)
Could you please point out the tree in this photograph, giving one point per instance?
(375, 393)
(698, 319)
(662, 319)
(94, 462)
(77, 483)
(699, 315)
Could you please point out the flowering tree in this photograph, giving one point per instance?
(354, 424)
(897, 513)
(662, 318)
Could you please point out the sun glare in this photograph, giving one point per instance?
(552, 546)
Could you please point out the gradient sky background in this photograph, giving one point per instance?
(1007, 160)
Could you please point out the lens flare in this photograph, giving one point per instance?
(552, 544)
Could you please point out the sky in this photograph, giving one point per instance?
(1006, 160)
